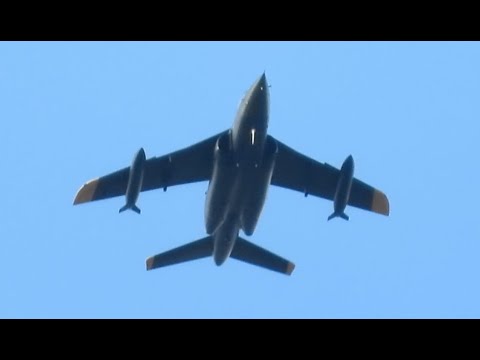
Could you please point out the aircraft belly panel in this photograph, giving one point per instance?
(258, 185)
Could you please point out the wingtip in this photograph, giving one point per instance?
(290, 268)
(380, 203)
(149, 263)
(86, 192)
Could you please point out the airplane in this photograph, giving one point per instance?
(239, 164)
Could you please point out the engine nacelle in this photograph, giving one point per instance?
(344, 185)
(262, 175)
(223, 174)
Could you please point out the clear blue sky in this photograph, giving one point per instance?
(407, 112)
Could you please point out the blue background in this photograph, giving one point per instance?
(407, 112)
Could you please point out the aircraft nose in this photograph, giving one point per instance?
(348, 162)
(259, 93)
(262, 83)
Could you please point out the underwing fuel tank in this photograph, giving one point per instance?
(135, 181)
(344, 185)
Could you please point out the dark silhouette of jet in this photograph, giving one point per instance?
(239, 164)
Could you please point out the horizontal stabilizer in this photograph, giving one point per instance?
(195, 250)
(255, 255)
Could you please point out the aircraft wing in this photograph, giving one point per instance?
(298, 172)
(188, 165)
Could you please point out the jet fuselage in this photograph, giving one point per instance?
(240, 164)
(243, 165)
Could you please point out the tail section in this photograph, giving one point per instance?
(342, 215)
(250, 253)
(195, 250)
(134, 208)
(243, 250)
